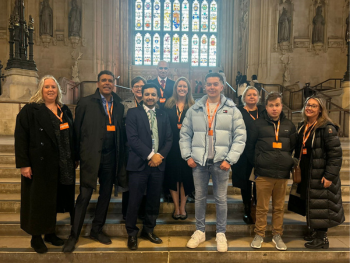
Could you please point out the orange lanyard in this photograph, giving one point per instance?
(161, 92)
(277, 131)
(307, 132)
(61, 116)
(179, 113)
(210, 120)
(109, 114)
(257, 114)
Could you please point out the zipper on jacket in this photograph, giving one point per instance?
(214, 139)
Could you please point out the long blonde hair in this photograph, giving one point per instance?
(38, 96)
(323, 117)
(175, 97)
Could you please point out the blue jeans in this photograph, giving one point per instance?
(201, 175)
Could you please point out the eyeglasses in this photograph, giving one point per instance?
(137, 87)
(311, 106)
(161, 68)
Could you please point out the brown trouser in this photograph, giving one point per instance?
(265, 188)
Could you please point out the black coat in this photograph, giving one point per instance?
(36, 147)
(140, 139)
(242, 169)
(90, 128)
(269, 161)
(176, 168)
(324, 205)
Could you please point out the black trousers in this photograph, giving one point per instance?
(247, 193)
(106, 176)
(152, 179)
(125, 203)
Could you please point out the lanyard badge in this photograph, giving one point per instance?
(63, 126)
(110, 127)
(277, 144)
(179, 113)
(211, 118)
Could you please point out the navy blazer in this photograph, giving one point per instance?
(138, 132)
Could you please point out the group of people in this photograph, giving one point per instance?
(160, 138)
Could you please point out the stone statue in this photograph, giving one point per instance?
(46, 19)
(284, 23)
(74, 20)
(75, 69)
(318, 29)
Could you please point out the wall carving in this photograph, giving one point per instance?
(284, 27)
(318, 26)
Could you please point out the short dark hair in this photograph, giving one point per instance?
(151, 85)
(273, 96)
(104, 72)
(137, 79)
(214, 75)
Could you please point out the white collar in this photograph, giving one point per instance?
(159, 79)
(148, 109)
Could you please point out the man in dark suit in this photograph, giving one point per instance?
(99, 142)
(165, 84)
(150, 139)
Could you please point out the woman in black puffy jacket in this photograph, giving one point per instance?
(321, 159)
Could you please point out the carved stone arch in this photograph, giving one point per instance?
(318, 47)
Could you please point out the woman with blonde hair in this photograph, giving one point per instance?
(320, 161)
(178, 177)
(44, 151)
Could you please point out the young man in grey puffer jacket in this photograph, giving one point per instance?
(212, 138)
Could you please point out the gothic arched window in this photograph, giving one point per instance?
(177, 31)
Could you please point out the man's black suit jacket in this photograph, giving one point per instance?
(140, 140)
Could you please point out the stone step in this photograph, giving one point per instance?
(173, 250)
(294, 225)
(10, 203)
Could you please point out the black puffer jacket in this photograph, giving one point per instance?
(324, 209)
(268, 161)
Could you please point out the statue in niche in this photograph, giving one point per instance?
(74, 20)
(284, 23)
(46, 18)
(318, 29)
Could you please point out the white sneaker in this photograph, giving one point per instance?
(221, 242)
(256, 243)
(197, 238)
(280, 245)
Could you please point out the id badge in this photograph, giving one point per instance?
(210, 132)
(304, 151)
(277, 145)
(179, 126)
(110, 127)
(162, 100)
(64, 126)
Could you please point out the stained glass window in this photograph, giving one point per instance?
(204, 16)
(156, 15)
(148, 50)
(176, 31)
(167, 15)
(195, 49)
(176, 15)
(204, 51)
(176, 48)
(138, 49)
(138, 15)
(184, 49)
(156, 49)
(212, 51)
(148, 15)
(185, 15)
(213, 16)
(195, 16)
(167, 48)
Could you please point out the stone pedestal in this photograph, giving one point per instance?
(20, 84)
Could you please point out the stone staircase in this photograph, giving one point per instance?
(15, 243)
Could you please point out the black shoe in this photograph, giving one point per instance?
(320, 241)
(151, 237)
(132, 242)
(184, 217)
(38, 244)
(175, 216)
(247, 218)
(69, 246)
(54, 240)
(311, 235)
(100, 237)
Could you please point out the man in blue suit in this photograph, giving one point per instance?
(165, 84)
(150, 139)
